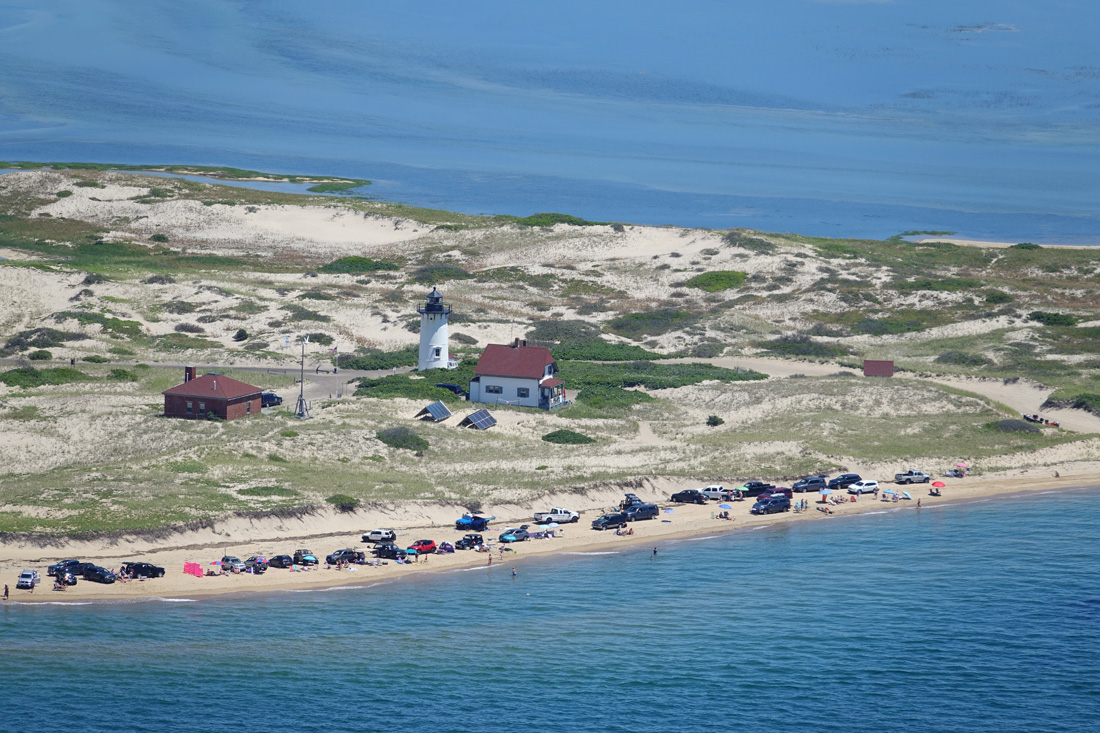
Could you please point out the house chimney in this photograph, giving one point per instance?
(188, 374)
(515, 344)
(215, 387)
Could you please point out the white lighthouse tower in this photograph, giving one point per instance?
(434, 348)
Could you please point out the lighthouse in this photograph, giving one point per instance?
(434, 349)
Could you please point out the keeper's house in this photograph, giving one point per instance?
(213, 394)
(517, 375)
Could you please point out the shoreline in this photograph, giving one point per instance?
(685, 523)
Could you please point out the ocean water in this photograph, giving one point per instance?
(823, 117)
(978, 617)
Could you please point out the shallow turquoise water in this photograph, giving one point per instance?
(827, 117)
(980, 617)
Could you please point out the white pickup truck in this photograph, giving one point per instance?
(912, 476)
(557, 514)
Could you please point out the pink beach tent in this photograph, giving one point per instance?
(192, 568)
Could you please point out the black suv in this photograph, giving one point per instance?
(844, 480)
(642, 511)
(771, 505)
(70, 566)
(811, 483)
(348, 555)
(142, 570)
(270, 399)
(691, 496)
(388, 551)
(305, 557)
(98, 574)
(280, 561)
(469, 542)
(610, 521)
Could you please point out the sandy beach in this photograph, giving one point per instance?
(685, 521)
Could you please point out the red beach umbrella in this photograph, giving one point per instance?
(938, 484)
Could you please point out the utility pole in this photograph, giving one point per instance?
(300, 411)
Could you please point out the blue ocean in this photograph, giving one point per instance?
(970, 617)
(823, 117)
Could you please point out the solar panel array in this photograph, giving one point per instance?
(481, 420)
(437, 411)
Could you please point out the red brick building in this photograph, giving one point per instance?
(211, 393)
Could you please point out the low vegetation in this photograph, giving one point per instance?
(567, 437)
(402, 438)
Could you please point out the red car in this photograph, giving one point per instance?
(777, 491)
(423, 547)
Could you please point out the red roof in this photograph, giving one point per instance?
(214, 386)
(551, 383)
(499, 360)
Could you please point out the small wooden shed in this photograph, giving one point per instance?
(872, 368)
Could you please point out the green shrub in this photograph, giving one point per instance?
(189, 328)
(120, 351)
(159, 237)
(717, 280)
(179, 307)
(1052, 319)
(738, 238)
(240, 335)
(297, 312)
(87, 184)
(549, 219)
(276, 458)
(961, 358)
(803, 346)
(603, 351)
(159, 280)
(606, 397)
(93, 278)
(996, 297)
(122, 375)
(464, 339)
(431, 274)
(550, 333)
(651, 323)
(343, 502)
(1015, 426)
(64, 194)
(316, 295)
(403, 438)
(40, 355)
(39, 338)
(267, 491)
(399, 385)
(337, 186)
(110, 324)
(322, 339)
(95, 359)
(567, 437)
(29, 377)
(289, 433)
(940, 284)
(376, 359)
(714, 421)
(357, 265)
(186, 466)
(1026, 245)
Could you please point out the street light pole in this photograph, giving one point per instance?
(300, 411)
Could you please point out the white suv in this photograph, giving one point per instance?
(866, 486)
(380, 535)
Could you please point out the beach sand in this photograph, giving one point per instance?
(685, 521)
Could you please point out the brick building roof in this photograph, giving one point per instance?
(214, 387)
(501, 360)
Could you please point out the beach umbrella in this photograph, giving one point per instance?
(825, 492)
(962, 465)
(216, 562)
(550, 525)
(938, 484)
(724, 506)
(907, 495)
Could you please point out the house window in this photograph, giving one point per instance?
(438, 351)
(523, 392)
(494, 389)
(188, 407)
(248, 408)
(202, 408)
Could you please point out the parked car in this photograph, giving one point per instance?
(423, 547)
(455, 388)
(811, 483)
(99, 574)
(142, 570)
(345, 555)
(65, 578)
(778, 491)
(754, 488)
(844, 480)
(280, 561)
(630, 500)
(473, 522)
(257, 564)
(380, 535)
(716, 492)
(27, 579)
(270, 399)
(912, 476)
(612, 521)
(469, 542)
(305, 557)
(771, 505)
(231, 563)
(73, 566)
(558, 514)
(387, 551)
(641, 511)
(863, 487)
(514, 534)
(690, 496)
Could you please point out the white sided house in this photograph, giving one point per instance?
(517, 375)
(434, 338)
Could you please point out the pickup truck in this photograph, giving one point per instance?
(473, 522)
(557, 514)
(716, 492)
(912, 476)
(754, 488)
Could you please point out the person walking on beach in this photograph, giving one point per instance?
(918, 503)
(490, 561)
(5, 592)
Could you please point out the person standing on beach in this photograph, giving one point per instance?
(490, 560)
(5, 592)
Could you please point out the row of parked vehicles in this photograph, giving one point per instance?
(67, 572)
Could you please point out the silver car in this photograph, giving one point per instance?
(27, 579)
(233, 563)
